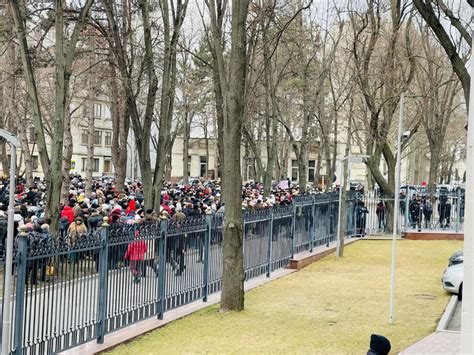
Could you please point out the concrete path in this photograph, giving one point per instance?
(441, 343)
(446, 339)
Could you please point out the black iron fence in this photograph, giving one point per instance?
(417, 212)
(73, 289)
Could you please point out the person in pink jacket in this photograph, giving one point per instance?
(136, 253)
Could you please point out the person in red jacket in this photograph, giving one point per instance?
(136, 253)
(132, 206)
(68, 212)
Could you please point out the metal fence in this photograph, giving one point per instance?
(73, 289)
(369, 213)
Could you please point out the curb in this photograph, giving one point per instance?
(447, 315)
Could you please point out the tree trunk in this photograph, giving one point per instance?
(168, 91)
(219, 77)
(317, 173)
(68, 149)
(186, 150)
(232, 296)
(206, 139)
(120, 126)
(434, 168)
(220, 119)
(90, 147)
(25, 148)
(30, 85)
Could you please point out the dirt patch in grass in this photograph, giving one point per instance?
(327, 308)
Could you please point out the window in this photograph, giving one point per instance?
(203, 167)
(95, 165)
(189, 165)
(311, 170)
(294, 170)
(108, 138)
(97, 110)
(34, 162)
(85, 136)
(97, 137)
(107, 165)
(250, 169)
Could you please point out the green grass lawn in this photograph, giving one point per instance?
(328, 308)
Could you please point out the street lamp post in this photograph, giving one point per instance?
(395, 210)
(6, 316)
(340, 229)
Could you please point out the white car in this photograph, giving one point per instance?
(452, 279)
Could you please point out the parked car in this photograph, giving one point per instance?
(456, 258)
(452, 279)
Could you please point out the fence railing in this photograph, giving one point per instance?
(443, 212)
(73, 289)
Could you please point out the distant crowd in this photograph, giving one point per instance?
(84, 212)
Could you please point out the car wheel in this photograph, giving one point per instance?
(460, 293)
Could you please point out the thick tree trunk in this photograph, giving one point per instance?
(434, 168)
(220, 119)
(121, 128)
(219, 78)
(232, 296)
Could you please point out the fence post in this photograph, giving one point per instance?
(458, 211)
(328, 220)
(20, 289)
(312, 232)
(407, 202)
(293, 228)
(162, 267)
(103, 258)
(207, 246)
(270, 237)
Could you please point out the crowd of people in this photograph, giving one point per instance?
(81, 213)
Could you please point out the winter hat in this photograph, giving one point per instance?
(380, 344)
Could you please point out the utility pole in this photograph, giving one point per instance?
(396, 210)
(467, 323)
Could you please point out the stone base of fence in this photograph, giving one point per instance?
(432, 235)
(306, 258)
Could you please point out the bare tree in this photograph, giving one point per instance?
(381, 79)
(431, 12)
(65, 51)
(439, 88)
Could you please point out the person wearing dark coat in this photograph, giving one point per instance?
(379, 345)
(95, 220)
(361, 212)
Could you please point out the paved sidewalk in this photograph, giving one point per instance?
(447, 337)
(442, 343)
